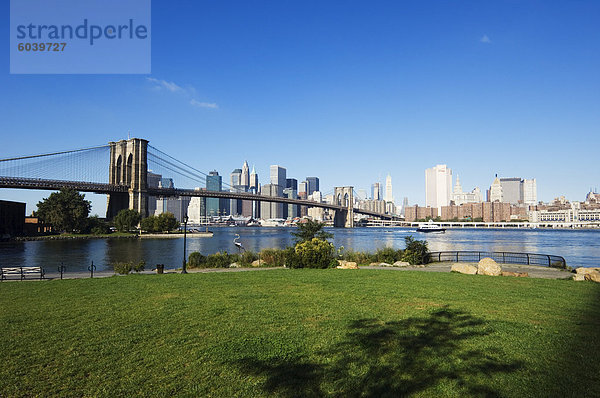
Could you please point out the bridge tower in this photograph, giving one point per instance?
(129, 167)
(344, 196)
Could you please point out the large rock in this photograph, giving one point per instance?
(593, 276)
(347, 265)
(257, 263)
(380, 265)
(464, 269)
(579, 277)
(488, 266)
(234, 265)
(517, 274)
(401, 264)
(586, 270)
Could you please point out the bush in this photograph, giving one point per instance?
(125, 268)
(220, 260)
(196, 260)
(315, 253)
(361, 258)
(273, 257)
(291, 258)
(246, 258)
(416, 251)
(388, 255)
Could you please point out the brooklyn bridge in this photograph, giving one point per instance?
(120, 170)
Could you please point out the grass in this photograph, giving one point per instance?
(300, 333)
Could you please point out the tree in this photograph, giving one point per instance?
(126, 220)
(167, 222)
(66, 210)
(309, 230)
(148, 224)
(416, 251)
(97, 226)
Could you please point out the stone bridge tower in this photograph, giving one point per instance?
(344, 196)
(129, 167)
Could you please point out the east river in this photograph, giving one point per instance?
(578, 247)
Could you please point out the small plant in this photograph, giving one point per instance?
(220, 260)
(247, 257)
(388, 255)
(125, 268)
(272, 257)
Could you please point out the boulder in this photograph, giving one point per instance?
(464, 269)
(593, 276)
(380, 265)
(348, 265)
(579, 277)
(586, 270)
(257, 263)
(401, 264)
(517, 274)
(488, 266)
(234, 265)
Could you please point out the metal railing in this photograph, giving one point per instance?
(500, 257)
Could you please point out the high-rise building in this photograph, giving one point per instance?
(245, 175)
(404, 205)
(459, 197)
(290, 210)
(253, 181)
(376, 191)
(312, 184)
(303, 187)
(495, 192)
(214, 182)
(529, 191)
(291, 183)
(236, 177)
(389, 197)
(438, 186)
(196, 210)
(278, 178)
(270, 209)
(512, 190)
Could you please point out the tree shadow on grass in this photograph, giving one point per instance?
(379, 359)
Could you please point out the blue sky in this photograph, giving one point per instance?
(347, 91)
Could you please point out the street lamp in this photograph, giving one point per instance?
(185, 221)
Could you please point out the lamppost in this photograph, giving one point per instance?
(185, 221)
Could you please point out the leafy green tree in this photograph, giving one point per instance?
(97, 226)
(149, 224)
(126, 220)
(166, 222)
(309, 230)
(66, 210)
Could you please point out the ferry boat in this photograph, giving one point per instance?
(431, 227)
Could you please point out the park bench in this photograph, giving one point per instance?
(21, 272)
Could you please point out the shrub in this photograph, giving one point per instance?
(272, 257)
(124, 268)
(388, 255)
(246, 258)
(315, 253)
(291, 258)
(196, 260)
(416, 251)
(362, 258)
(220, 260)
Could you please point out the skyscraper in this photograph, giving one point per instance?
(245, 175)
(292, 183)
(312, 184)
(253, 181)
(438, 186)
(495, 191)
(236, 178)
(376, 191)
(389, 197)
(278, 178)
(303, 188)
(512, 190)
(529, 191)
(214, 182)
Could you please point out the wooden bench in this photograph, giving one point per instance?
(21, 272)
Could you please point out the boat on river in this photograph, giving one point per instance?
(431, 227)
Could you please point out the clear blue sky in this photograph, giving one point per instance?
(347, 91)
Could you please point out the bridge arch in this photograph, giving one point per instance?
(118, 168)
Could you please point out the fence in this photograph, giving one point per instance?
(500, 257)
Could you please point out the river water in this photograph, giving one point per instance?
(578, 247)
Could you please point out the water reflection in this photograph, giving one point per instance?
(578, 247)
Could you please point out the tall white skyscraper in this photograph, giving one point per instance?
(529, 191)
(389, 197)
(438, 186)
(245, 174)
(495, 191)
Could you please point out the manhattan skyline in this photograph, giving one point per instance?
(347, 92)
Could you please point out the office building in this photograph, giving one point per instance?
(438, 187)
(245, 175)
(278, 177)
(303, 187)
(495, 192)
(214, 182)
(270, 209)
(389, 197)
(290, 210)
(404, 205)
(291, 183)
(459, 197)
(376, 193)
(312, 184)
(530, 191)
(196, 210)
(512, 190)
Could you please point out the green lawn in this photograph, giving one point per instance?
(300, 333)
